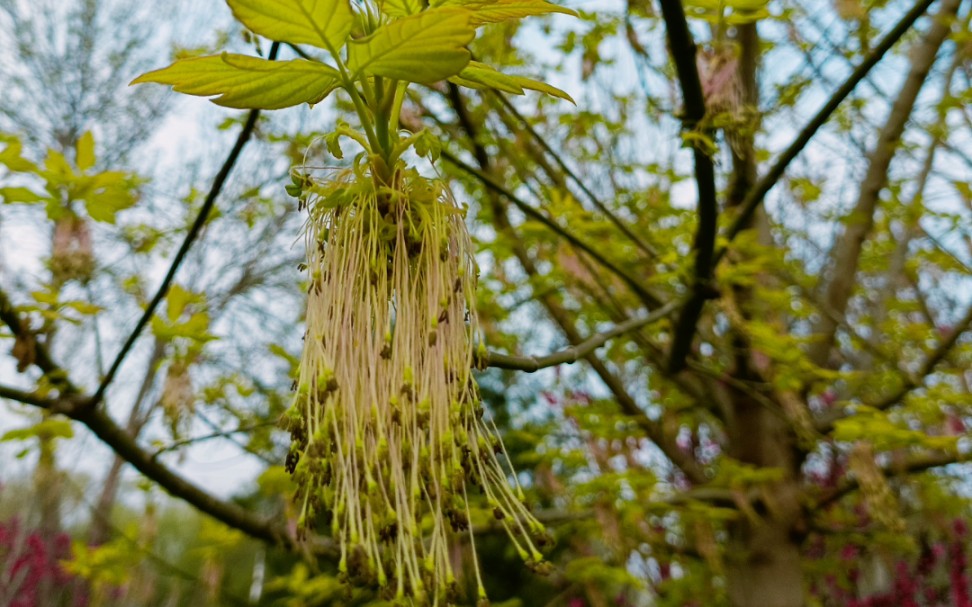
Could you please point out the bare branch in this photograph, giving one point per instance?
(487, 180)
(770, 179)
(531, 364)
(194, 230)
(683, 51)
(846, 252)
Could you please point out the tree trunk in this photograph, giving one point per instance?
(767, 572)
(764, 550)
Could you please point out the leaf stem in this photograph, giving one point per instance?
(381, 118)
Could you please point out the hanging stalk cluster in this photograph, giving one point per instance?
(390, 437)
(391, 448)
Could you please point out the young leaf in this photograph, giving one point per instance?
(478, 75)
(248, 82)
(322, 23)
(13, 194)
(105, 194)
(177, 298)
(495, 11)
(426, 48)
(46, 429)
(85, 152)
(10, 156)
(401, 8)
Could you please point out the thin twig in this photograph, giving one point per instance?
(531, 364)
(192, 440)
(647, 298)
(911, 381)
(187, 243)
(764, 185)
(639, 242)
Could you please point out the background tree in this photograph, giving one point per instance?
(775, 396)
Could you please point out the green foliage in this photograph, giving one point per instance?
(46, 430)
(424, 48)
(480, 76)
(403, 41)
(186, 317)
(103, 193)
(325, 24)
(245, 82)
(833, 446)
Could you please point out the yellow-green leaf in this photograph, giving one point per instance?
(57, 166)
(543, 87)
(479, 75)
(85, 152)
(248, 82)
(177, 298)
(13, 194)
(106, 193)
(427, 47)
(44, 430)
(10, 156)
(401, 8)
(322, 23)
(495, 11)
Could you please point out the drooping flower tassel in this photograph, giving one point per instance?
(388, 427)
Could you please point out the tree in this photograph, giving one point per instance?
(776, 341)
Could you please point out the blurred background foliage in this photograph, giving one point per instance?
(841, 466)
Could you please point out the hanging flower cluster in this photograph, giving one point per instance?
(389, 433)
(391, 448)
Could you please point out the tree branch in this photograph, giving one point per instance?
(194, 230)
(639, 242)
(847, 250)
(652, 429)
(22, 396)
(768, 181)
(124, 445)
(531, 364)
(683, 52)
(39, 355)
(487, 180)
(912, 381)
(192, 440)
(113, 435)
(915, 465)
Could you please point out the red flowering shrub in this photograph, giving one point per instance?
(31, 574)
